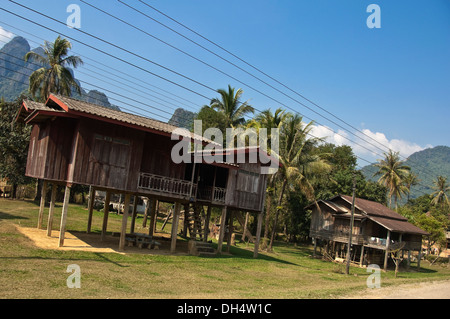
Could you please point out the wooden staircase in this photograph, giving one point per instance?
(194, 222)
(200, 248)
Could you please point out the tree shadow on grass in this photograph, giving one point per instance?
(240, 253)
(101, 258)
(4, 215)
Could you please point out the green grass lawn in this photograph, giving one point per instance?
(27, 271)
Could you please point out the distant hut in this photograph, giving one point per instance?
(377, 230)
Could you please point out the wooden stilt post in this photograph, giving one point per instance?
(258, 234)
(51, 210)
(90, 207)
(153, 211)
(156, 216)
(222, 229)
(186, 219)
(315, 246)
(123, 230)
(105, 215)
(386, 255)
(147, 208)
(230, 230)
(134, 214)
(206, 228)
(350, 233)
(244, 232)
(42, 206)
(361, 258)
(420, 256)
(174, 232)
(408, 264)
(62, 228)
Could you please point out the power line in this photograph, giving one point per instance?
(255, 68)
(139, 107)
(147, 111)
(233, 64)
(169, 69)
(104, 52)
(234, 78)
(116, 70)
(126, 61)
(98, 87)
(21, 82)
(119, 47)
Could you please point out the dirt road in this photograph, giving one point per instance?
(424, 290)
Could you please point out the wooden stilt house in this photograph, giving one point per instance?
(75, 142)
(377, 230)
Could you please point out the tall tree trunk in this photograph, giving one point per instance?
(276, 215)
(266, 226)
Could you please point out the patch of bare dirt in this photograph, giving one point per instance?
(82, 241)
(423, 290)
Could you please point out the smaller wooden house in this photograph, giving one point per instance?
(377, 230)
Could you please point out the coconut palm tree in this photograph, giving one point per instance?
(54, 75)
(268, 120)
(392, 172)
(411, 180)
(230, 105)
(441, 187)
(298, 163)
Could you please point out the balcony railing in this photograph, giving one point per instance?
(368, 241)
(376, 241)
(167, 185)
(206, 193)
(219, 194)
(339, 236)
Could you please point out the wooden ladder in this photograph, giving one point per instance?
(195, 222)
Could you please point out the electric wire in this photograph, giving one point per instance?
(70, 37)
(141, 84)
(259, 70)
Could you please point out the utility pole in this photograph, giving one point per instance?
(347, 268)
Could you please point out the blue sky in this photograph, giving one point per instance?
(392, 83)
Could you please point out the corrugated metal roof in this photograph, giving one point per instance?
(384, 216)
(66, 104)
(129, 118)
(373, 208)
(32, 106)
(396, 225)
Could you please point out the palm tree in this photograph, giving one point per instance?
(441, 191)
(230, 105)
(392, 174)
(54, 75)
(297, 161)
(268, 120)
(411, 180)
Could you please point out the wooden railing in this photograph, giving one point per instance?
(206, 193)
(219, 194)
(163, 184)
(339, 236)
(358, 239)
